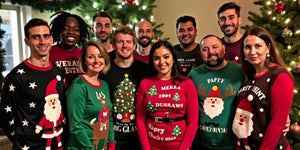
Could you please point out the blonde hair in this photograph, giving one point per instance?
(103, 52)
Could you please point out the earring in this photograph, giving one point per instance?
(268, 55)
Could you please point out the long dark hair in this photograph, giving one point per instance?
(275, 58)
(176, 76)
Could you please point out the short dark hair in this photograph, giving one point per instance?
(123, 30)
(33, 23)
(230, 5)
(102, 14)
(185, 19)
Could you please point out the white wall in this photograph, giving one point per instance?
(167, 12)
(204, 11)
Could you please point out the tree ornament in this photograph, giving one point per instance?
(129, 2)
(279, 8)
(157, 40)
(295, 129)
(119, 1)
(286, 32)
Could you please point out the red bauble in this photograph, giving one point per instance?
(279, 8)
(295, 129)
(129, 2)
(157, 40)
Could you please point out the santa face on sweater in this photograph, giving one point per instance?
(213, 106)
(52, 109)
(242, 124)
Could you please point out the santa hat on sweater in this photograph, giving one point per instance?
(215, 91)
(245, 107)
(51, 91)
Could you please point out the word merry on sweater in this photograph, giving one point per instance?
(169, 105)
(255, 90)
(170, 87)
(213, 129)
(155, 129)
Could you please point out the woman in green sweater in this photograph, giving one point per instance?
(89, 105)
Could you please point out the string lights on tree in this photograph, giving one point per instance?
(282, 19)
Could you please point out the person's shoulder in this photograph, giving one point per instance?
(177, 47)
(140, 63)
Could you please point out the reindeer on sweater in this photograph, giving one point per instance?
(100, 128)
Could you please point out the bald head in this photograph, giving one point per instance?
(144, 33)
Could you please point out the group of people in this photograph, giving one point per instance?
(227, 93)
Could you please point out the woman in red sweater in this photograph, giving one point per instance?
(265, 98)
(167, 103)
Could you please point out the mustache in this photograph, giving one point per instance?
(210, 55)
(144, 37)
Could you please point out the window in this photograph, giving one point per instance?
(12, 41)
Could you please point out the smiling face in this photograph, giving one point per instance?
(163, 62)
(212, 51)
(102, 28)
(39, 41)
(124, 46)
(229, 22)
(255, 50)
(186, 33)
(94, 60)
(70, 32)
(144, 33)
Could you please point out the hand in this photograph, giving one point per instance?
(287, 126)
(37, 131)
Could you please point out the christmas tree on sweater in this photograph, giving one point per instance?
(124, 99)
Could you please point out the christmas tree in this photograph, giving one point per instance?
(282, 19)
(123, 12)
(124, 97)
(176, 130)
(152, 91)
(151, 107)
(176, 97)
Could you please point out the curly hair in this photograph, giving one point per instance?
(59, 21)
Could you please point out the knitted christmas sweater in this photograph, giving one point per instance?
(68, 60)
(233, 50)
(89, 110)
(188, 60)
(123, 84)
(216, 94)
(162, 98)
(264, 104)
(23, 105)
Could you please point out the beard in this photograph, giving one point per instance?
(215, 62)
(213, 111)
(52, 114)
(144, 44)
(242, 131)
(234, 31)
(100, 39)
